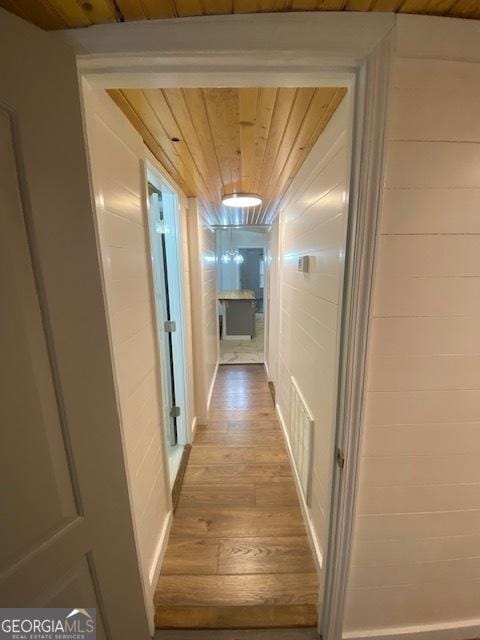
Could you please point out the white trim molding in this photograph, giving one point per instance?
(365, 189)
(458, 630)
(212, 385)
(193, 429)
(286, 48)
(156, 566)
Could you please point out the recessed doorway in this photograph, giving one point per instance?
(241, 291)
(165, 245)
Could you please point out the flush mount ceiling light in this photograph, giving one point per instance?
(241, 200)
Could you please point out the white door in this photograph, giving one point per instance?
(164, 242)
(65, 528)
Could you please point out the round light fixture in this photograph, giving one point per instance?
(238, 258)
(226, 258)
(241, 200)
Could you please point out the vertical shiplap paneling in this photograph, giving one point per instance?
(210, 299)
(271, 335)
(203, 277)
(117, 154)
(187, 308)
(416, 554)
(313, 222)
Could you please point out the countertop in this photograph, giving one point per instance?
(237, 294)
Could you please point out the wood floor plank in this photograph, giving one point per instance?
(227, 522)
(191, 556)
(213, 427)
(237, 590)
(213, 454)
(246, 414)
(238, 556)
(271, 455)
(220, 494)
(236, 473)
(265, 555)
(248, 426)
(245, 439)
(282, 492)
(281, 616)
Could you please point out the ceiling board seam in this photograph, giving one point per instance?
(261, 179)
(175, 175)
(327, 115)
(275, 104)
(308, 145)
(55, 12)
(297, 90)
(211, 134)
(117, 11)
(187, 147)
(195, 190)
(189, 111)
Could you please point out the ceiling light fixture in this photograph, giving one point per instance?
(241, 200)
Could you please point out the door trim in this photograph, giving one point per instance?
(153, 170)
(371, 102)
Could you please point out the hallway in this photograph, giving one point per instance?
(238, 554)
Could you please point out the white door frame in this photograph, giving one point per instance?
(158, 178)
(284, 49)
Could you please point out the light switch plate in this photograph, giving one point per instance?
(302, 264)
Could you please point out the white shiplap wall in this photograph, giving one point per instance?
(272, 309)
(116, 156)
(313, 222)
(416, 553)
(203, 277)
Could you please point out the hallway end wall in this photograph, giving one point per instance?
(415, 566)
(203, 278)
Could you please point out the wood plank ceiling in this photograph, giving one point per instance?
(61, 14)
(231, 140)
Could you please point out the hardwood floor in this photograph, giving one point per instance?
(238, 555)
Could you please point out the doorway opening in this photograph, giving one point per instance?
(241, 290)
(165, 244)
(262, 137)
(259, 475)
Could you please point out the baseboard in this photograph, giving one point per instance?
(155, 569)
(317, 552)
(160, 552)
(212, 384)
(459, 630)
(193, 429)
(267, 371)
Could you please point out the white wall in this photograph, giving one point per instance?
(117, 154)
(272, 317)
(416, 552)
(203, 277)
(313, 223)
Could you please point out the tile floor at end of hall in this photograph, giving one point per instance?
(238, 554)
(245, 351)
